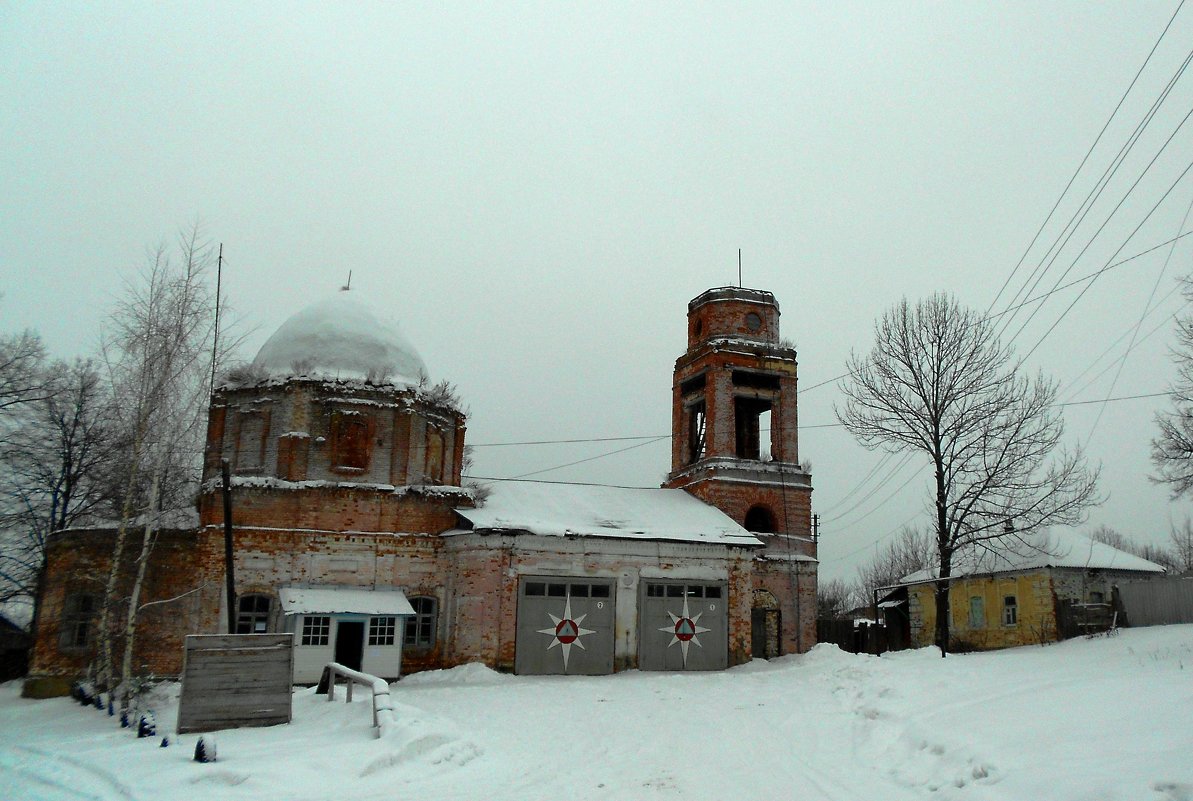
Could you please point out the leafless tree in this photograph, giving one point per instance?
(157, 350)
(53, 471)
(1180, 540)
(1172, 450)
(910, 551)
(1153, 553)
(938, 382)
(833, 599)
(22, 379)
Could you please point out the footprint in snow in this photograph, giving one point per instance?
(1174, 791)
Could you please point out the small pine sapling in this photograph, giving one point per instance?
(147, 726)
(205, 750)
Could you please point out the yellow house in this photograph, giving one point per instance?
(1015, 596)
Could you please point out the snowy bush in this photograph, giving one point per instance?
(147, 725)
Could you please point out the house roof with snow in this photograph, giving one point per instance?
(1052, 548)
(327, 600)
(580, 510)
(341, 337)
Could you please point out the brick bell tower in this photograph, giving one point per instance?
(735, 446)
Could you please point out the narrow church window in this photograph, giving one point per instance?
(381, 630)
(350, 441)
(250, 441)
(434, 456)
(252, 614)
(420, 629)
(747, 414)
(78, 620)
(697, 430)
(316, 629)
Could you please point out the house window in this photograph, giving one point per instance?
(1096, 597)
(252, 614)
(78, 620)
(316, 629)
(977, 612)
(381, 630)
(1010, 611)
(420, 629)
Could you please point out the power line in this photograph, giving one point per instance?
(1086, 206)
(1085, 158)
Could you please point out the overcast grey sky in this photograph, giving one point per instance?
(537, 190)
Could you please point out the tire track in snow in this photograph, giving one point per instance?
(36, 770)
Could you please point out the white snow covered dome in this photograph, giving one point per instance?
(341, 337)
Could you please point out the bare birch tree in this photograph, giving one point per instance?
(938, 382)
(157, 351)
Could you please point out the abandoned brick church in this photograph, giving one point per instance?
(352, 528)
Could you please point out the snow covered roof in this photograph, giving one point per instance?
(330, 600)
(577, 510)
(1053, 548)
(341, 337)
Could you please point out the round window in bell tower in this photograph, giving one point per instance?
(753, 322)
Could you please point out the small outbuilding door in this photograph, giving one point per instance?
(683, 626)
(350, 640)
(565, 625)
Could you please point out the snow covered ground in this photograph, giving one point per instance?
(1105, 719)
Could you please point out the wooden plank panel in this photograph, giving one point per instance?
(236, 680)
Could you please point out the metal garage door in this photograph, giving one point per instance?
(683, 626)
(565, 625)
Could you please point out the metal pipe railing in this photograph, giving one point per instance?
(383, 711)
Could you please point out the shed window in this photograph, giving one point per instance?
(420, 629)
(78, 620)
(252, 614)
(1010, 611)
(316, 629)
(381, 630)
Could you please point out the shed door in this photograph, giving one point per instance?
(683, 626)
(565, 625)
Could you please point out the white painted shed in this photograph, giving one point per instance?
(360, 629)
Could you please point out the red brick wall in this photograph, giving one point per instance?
(78, 562)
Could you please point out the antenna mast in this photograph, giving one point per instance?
(215, 337)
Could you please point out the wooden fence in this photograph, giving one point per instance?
(231, 681)
(1157, 602)
(863, 638)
